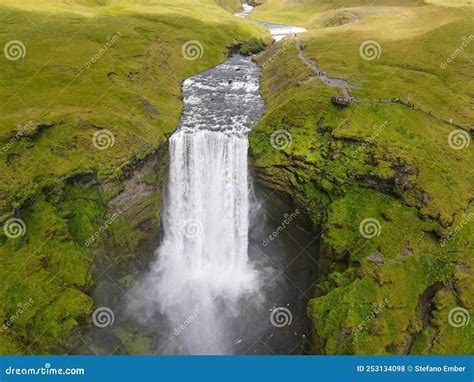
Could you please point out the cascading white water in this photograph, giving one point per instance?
(202, 271)
(207, 212)
(203, 261)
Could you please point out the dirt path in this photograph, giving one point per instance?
(332, 82)
(346, 86)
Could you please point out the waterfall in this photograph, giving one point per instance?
(203, 260)
(202, 271)
(206, 221)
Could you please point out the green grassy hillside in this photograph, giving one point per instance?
(71, 70)
(391, 293)
(307, 12)
(230, 5)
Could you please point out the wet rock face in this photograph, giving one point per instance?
(225, 98)
(425, 198)
(136, 190)
(423, 308)
(376, 258)
(148, 109)
(406, 251)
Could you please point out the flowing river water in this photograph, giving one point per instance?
(236, 262)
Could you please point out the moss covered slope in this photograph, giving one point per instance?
(392, 197)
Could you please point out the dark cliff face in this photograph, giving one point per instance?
(122, 253)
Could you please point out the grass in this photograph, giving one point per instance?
(231, 6)
(311, 12)
(54, 178)
(386, 162)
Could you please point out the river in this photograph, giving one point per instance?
(278, 31)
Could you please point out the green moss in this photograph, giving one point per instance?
(134, 344)
(252, 46)
(50, 265)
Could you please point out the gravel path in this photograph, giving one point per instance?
(332, 82)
